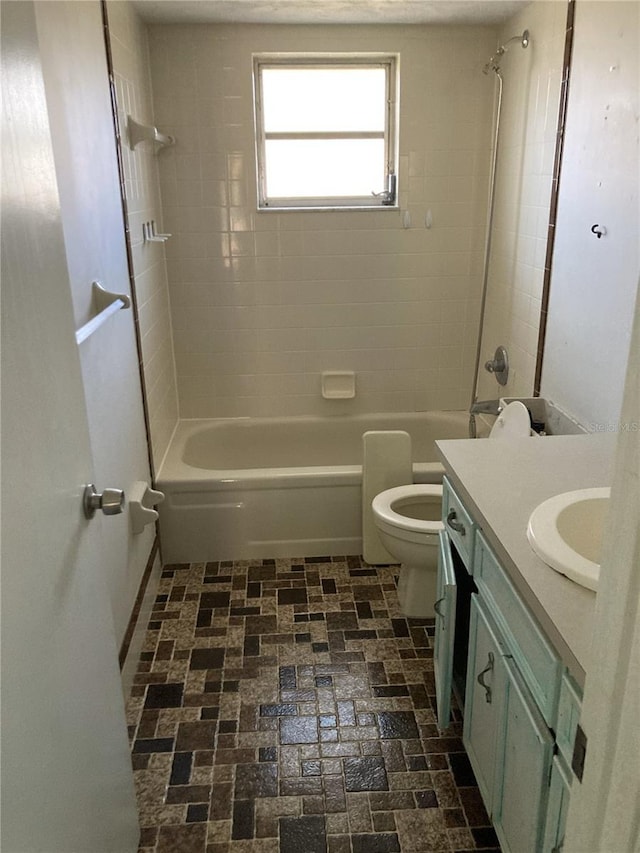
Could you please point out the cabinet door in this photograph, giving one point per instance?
(484, 701)
(445, 608)
(525, 764)
(559, 789)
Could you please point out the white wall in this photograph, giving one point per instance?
(263, 303)
(531, 95)
(594, 281)
(130, 53)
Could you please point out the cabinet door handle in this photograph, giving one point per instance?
(458, 526)
(436, 607)
(481, 681)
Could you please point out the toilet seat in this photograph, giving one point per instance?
(512, 422)
(387, 507)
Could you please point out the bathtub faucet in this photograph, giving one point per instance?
(486, 407)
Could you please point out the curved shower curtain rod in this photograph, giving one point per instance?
(492, 65)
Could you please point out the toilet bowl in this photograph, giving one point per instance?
(408, 520)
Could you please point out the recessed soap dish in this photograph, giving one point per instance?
(339, 385)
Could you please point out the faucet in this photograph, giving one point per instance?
(486, 407)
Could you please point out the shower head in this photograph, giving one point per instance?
(523, 39)
(494, 63)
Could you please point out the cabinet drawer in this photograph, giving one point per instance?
(458, 524)
(569, 708)
(535, 658)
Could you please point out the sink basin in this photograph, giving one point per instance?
(566, 532)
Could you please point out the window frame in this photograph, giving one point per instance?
(385, 198)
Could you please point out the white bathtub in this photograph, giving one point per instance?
(243, 488)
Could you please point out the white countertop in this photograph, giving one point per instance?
(502, 482)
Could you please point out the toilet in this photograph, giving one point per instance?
(408, 520)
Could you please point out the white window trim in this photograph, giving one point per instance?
(391, 62)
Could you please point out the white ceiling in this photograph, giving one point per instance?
(329, 11)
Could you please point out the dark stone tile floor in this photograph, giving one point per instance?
(286, 706)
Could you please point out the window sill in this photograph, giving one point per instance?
(333, 209)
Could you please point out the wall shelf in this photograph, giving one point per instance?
(138, 133)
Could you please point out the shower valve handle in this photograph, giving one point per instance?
(499, 365)
(494, 365)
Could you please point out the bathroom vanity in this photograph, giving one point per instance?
(512, 635)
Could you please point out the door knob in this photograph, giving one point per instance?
(110, 501)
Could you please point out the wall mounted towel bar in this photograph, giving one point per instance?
(105, 304)
(146, 133)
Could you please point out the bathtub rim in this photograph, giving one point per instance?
(177, 473)
(264, 478)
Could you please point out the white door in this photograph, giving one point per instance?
(71, 37)
(67, 783)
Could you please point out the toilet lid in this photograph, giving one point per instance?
(512, 422)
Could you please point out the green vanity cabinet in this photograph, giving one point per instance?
(569, 707)
(484, 701)
(525, 762)
(445, 608)
(459, 526)
(521, 708)
(559, 790)
(508, 743)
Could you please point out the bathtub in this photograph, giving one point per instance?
(245, 488)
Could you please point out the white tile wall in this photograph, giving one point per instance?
(531, 95)
(130, 51)
(262, 303)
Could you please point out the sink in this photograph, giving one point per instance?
(566, 532)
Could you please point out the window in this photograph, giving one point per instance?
(326, 131)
